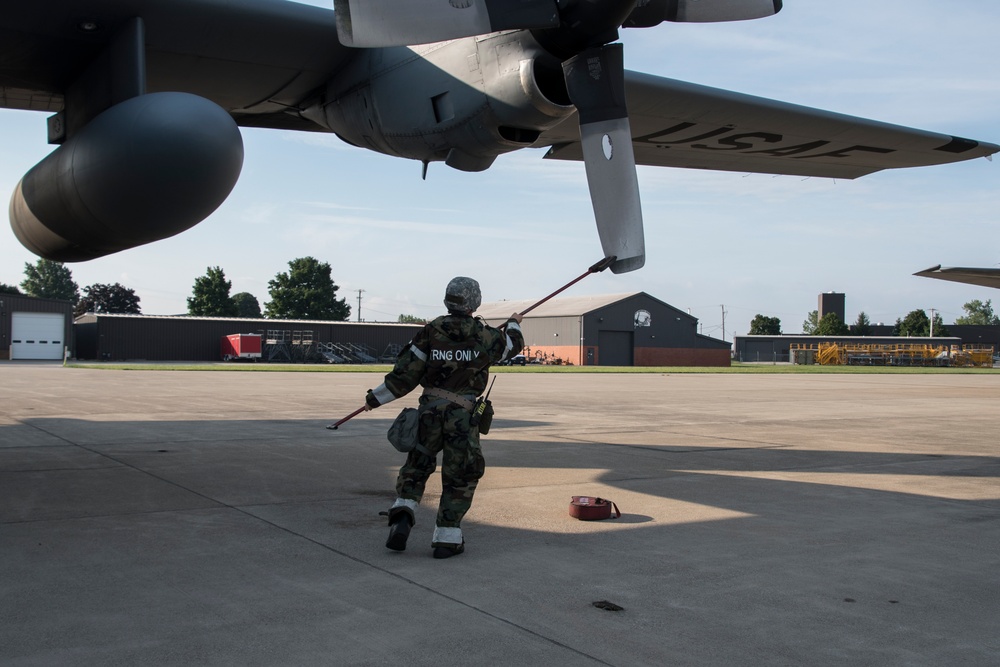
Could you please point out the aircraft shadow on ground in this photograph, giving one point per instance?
(793, 540)
(295, 461)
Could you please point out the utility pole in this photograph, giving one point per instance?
(932, 322)
(359, 304)
(723, 307)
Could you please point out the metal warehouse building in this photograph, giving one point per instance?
(183, 338)
(633, 329)
(32, 328)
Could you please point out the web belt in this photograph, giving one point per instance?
(457, 399)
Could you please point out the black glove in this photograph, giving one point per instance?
(371, 401)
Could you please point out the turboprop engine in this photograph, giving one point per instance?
(463, 102)
(143, 170)
(580, 35)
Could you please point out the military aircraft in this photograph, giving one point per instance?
(984, 277)
(147, 98)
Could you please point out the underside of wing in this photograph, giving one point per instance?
(257, 59)
(678, 124)
(970, 276)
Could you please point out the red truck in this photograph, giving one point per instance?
(241, 346)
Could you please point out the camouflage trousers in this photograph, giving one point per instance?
(445, 429)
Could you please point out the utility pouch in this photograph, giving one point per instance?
(483, 415)
(403, 432)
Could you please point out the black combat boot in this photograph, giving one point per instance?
(448, 550)
(399, 529)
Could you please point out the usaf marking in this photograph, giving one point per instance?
(728, 139)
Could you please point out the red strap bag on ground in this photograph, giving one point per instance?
(586, 508)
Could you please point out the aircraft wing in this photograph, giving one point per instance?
(258, 59)
(958, 274)
(678, 124)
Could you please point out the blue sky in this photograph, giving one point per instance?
(751, 243)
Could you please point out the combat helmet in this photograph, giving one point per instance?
(462, 295)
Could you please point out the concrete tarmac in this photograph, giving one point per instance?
(209, 518)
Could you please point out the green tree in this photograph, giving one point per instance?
(939, 328)
(862, 326)
(306, 292)
(977, 312)
(411, 319)
(99, 298)
(50, 280)
(9, 289)
(761, 325)
(246, 304)
(811, 323)
(210, 295)
(831, 325)
(916, 323)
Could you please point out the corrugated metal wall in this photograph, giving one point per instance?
(549, 337)
(136, 337)
(553, 336)
(18, 303)
(976, 334)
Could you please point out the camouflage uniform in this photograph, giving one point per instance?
(453, 353)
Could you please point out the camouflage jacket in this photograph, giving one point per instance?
(454, 352)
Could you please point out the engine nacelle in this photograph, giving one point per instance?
(143, 170)
(463, 102)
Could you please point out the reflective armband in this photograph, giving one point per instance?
(383, 395)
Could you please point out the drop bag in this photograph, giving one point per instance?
(587, 508)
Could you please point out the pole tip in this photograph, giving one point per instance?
(331, 427)
(603, 264)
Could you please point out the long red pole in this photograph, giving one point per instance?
(596, 268)
(333, 427)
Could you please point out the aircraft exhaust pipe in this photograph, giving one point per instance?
(143, 170)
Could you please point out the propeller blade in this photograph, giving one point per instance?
(374, 23)
(595, 80)
(655, 12)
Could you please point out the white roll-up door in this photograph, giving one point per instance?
(37, 335)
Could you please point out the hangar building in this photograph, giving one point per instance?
(632, 329)
(33, 328)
